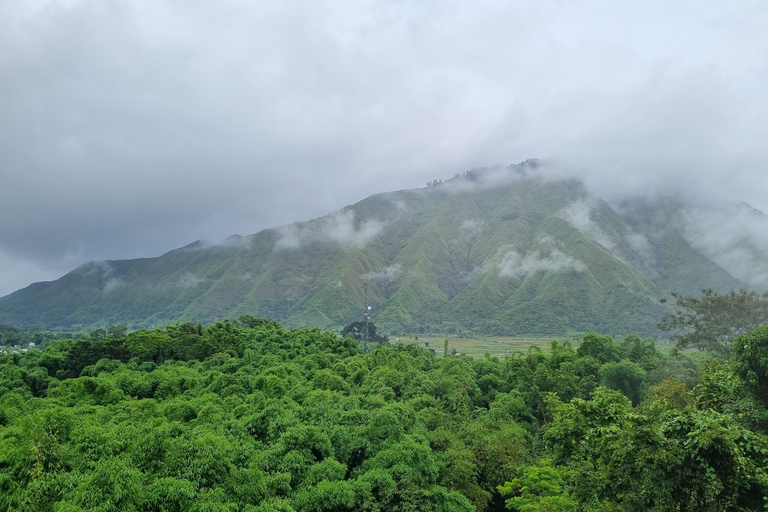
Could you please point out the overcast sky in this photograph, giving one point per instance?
(130, 127)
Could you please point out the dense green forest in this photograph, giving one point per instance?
(247, 416)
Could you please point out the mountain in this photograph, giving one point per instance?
(502, 250)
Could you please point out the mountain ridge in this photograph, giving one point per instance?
(500, 250)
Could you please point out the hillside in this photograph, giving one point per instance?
(497, 251)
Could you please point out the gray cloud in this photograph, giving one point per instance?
(735, 238)
(129, 128)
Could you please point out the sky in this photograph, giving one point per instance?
(132, 127)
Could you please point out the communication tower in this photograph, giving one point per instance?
(366, 314)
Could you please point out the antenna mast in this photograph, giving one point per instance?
(366, 314)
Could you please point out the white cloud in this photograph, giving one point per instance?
(106, 272)
(339, 227)
(483, 178)
(630, 247)
(100, 267)
(471, 229)
(113, 284)
(579, 214)
(386, 275)
(545, 257)
(188, 280)
(290, 237)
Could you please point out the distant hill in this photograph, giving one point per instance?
(501, 250)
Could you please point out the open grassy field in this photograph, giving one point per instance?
(497, 346)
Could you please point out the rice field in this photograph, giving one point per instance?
(496, 346)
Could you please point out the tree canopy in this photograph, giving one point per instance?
(714, 320)
(246, 416)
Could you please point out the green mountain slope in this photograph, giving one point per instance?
(527, 255)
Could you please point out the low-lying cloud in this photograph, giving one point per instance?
(631, 248)
(106, 272)
(579, 213)
(735, 238)
(471, 229)
(545, 259)
(482, 178)
(113, 284)
(386, 275)
(339, 227)
(187, 280)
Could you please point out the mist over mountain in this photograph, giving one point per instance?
(496, 250)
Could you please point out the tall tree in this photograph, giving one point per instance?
(655, 458)
(714, 321)
(751, 362)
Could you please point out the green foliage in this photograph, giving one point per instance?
(540, 489)
(663, 458)
(602, 348)
(714, 321)
(624, 376)
(248, 416)
(751, 361)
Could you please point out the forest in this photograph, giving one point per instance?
(244, 415)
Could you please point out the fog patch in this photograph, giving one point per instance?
(631, 248)
(113, 284)
(481, 178)
(290, 237)
(579, 214)
(339, 227)
(401, 207)
(471, 229)
(469, 276)
(735, 238)
(386, 275)
(110, 282)
(546, 259)
(236, 242)
(99, 267)
(188, 280)
(640, 244)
